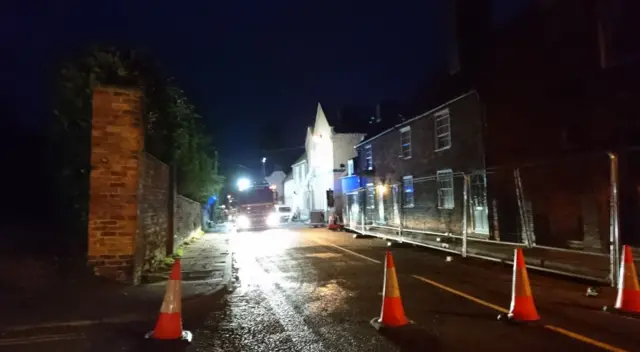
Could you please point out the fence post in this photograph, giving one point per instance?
(465, 210)
(400, 207)
(614, 234)
(524, 219)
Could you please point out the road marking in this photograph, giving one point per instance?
(348, 251)
(584, 339)
(559, 330)
(462, 294)
(39, 339)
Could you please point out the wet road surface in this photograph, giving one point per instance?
(316, 290)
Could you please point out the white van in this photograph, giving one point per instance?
(285, 212)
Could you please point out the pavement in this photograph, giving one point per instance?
(68, 307)
(302, 289)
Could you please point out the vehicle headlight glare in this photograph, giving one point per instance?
(243, 222)
(273, 219)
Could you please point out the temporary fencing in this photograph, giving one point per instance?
(563, 212)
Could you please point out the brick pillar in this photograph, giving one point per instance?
(116, 145)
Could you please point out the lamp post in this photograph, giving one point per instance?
(264, 171)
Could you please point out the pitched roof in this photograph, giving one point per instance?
(364, 119)
(300, 159)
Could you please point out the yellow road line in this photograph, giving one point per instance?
(348, 251)
(559, 330)
(584, 339)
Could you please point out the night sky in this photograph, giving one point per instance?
(241, 62)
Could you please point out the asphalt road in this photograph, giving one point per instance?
(317, 290)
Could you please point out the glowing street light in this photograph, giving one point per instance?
(243, 184)
(264, 170)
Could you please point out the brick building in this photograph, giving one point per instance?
(553, 94)
(414, 170)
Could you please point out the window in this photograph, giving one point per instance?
(368, 158)
(408, 200)
(350, 170)
(405, 142)
(371, 196)
(445, 189)
(443, 130)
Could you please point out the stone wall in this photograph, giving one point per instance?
(116, 143)
(188, 219)
(153, 209)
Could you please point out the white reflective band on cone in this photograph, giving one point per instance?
(172, 302)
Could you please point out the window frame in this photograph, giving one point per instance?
(448, 202)
(406, 204)
(350, 167)
(405, 131)
(437, 117)
(368, 157)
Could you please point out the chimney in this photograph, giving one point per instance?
(469, 35)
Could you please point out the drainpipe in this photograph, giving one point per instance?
(614, 234)
(465, 210)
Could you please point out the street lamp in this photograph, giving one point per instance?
(264, 171)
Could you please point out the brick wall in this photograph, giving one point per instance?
(116, 142)
(130, 193)
(188, 219)
(153, 209)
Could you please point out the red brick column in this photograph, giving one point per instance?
(117, 141)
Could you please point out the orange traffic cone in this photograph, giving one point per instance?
(392, 313)
(628, 300)
(169, 325)
(522, 306)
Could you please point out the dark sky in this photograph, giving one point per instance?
(241, 62)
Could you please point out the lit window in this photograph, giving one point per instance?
(371, 196)
(350, 169)
(368, 157)
(405, 142)
(409, 200)
(445, 189)
(443, 130)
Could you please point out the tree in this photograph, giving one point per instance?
(172, 128)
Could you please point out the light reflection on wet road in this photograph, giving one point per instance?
(292, 295)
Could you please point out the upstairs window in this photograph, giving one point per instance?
(405, 142)
(443, 130)
(407, 192)
(350, 169)
(445, 189)
(368, 158)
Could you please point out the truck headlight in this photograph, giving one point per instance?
(243, 222)
(273, 219)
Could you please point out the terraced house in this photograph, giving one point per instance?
(413, 174)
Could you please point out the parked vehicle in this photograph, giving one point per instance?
(285, 213)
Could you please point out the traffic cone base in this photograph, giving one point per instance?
(392, 313)
(186, 336)
(523, 308)
(169, 324)
(628, 299)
